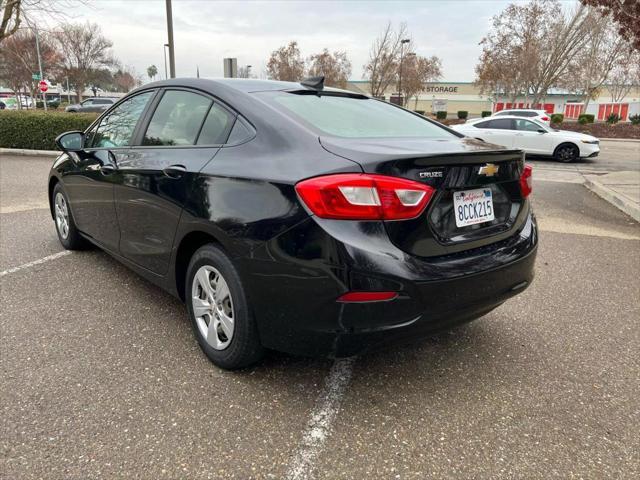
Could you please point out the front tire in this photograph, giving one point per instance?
(220, 315)
(567, 153)
(66, 229)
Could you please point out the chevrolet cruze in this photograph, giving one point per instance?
(295, 217)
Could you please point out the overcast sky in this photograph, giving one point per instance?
(207, 31)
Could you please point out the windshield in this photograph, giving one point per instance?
(350, 117)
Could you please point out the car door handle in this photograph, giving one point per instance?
(107, 169)
(174, 171)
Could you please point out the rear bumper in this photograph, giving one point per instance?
(294, 280)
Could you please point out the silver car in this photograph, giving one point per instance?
(94, 104)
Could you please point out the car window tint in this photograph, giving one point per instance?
(500, 124)
(484, 124)
(527, 126)
(357, 117)
(87, 102)
(239, 133)
(177, 119)
(116, 129)
(216, 126)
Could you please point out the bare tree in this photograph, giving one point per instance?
(126, 79)
(84, 50)
(335, 67)
(14, 12)
(286, 63)
(417, 71)
(625, 74)
(19, 60)
(382, 68)
(626, 13)
(530, 47)
(593, 63)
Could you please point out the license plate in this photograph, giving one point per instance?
(473, 206)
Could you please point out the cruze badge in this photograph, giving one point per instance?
(489, 170)
(434, 174)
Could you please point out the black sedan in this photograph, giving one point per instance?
(295, 217)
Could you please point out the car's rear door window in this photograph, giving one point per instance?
(527, 125)
(177, 119)
(216, 127)
(356, 117)
(116, 129)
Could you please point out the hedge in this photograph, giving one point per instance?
(463, 114)
(557, 118)
(588, 118)
(441, 114)
(35, 130)
(486, 113)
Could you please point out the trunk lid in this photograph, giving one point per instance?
(449, 166)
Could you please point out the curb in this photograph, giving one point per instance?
(30, 153)
(627, 140)
(615, 199)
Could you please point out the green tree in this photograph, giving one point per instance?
(152, 71)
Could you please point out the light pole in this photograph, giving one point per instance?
(172, 58)
(402, 42)
(164, 49)
(248, 71)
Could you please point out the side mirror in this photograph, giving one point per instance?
(70, 141)
(541, 131)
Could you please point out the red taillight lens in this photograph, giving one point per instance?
(359, 196)
(526, 181)
(365, 297)
(545, 119)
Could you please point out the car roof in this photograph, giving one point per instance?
(245, 85)
(502, 117)
(521, 110)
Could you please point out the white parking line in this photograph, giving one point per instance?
(322, 417)
(35, 262)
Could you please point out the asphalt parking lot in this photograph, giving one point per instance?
(101, 377)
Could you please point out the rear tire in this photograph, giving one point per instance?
(566, 153)
(66, 229)
(222, 320)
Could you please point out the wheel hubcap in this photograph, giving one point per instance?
(213, 307)
(62, 215)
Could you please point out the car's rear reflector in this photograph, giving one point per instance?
(359, 196)
(526, 181)
(366, 297)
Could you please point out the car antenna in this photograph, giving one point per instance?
(317, 83)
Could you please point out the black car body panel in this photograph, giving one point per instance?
(241, 194)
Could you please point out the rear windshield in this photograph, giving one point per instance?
(357, 117)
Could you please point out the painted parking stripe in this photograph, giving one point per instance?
(35, 262)
(321, 421)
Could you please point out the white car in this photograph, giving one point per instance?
(539, 115)
(533, 137)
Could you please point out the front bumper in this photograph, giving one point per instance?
(589, 150)
(294, 280)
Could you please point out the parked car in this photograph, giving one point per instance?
(94, 104)
(539, 115)
(532, 137)
(295, 217)
(10, 103)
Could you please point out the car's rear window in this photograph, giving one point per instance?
(357, 117)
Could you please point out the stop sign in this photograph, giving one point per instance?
(42, 85)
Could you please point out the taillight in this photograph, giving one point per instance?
(360, 196)
(545, 119)
(526, 181)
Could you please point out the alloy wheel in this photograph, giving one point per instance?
(213, 307)
(62, 215)
(567, 153)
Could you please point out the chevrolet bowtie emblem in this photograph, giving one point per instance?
(489, 170)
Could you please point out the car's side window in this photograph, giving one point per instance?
(216, 127)
(177, 119)
(500, 124)
(240, 132)
(86, 103)
(527, 126)
(116, 128)
(482, 124)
